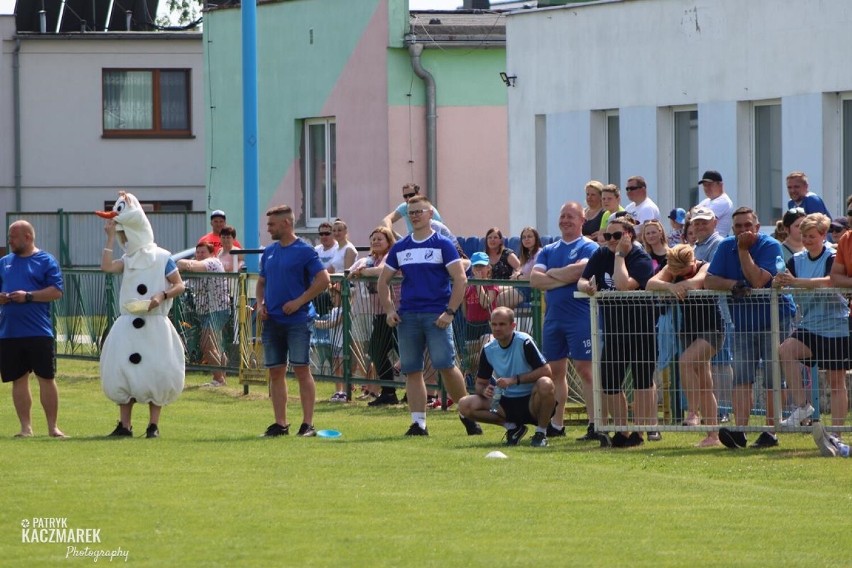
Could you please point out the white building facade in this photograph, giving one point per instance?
(667, 89)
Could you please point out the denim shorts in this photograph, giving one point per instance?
(416, 332)
(753, 347)
(281, 340)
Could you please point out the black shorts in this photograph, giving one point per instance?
(517, 410)
(20, 356)
(475, 330)
(828, 353)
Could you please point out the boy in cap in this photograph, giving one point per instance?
(677, 219)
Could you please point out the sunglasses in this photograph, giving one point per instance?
(796, 210)
(416, 212)
(408, 196)
(325, 234)
(632, 187)
(837, 230)
(614, 236)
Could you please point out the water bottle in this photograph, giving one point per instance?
(780, 265)
(496, 396)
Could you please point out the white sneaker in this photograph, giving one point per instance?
(823, 441)
(798, 416)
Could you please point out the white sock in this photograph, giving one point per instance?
(510, 425)
(541, 430)
(555, 425)
(420, 418)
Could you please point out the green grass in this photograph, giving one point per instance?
(209, 492)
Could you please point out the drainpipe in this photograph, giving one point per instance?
(414, 51)
(16, 101)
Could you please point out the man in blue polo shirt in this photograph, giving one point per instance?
(432, 289)
(513, 363)
(29, 280)
(567, 323)
(291, 275)
(742, 262)
(801, 196)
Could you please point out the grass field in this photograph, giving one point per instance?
(210, 492)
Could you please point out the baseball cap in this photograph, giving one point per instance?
(678, 215)
(839, 223)
(218, 213)
(702, 213)
(479, 259)
(711, 176)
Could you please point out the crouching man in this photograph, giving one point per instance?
(515, 364)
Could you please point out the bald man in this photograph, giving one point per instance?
(29, 280)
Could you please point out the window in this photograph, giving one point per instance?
(686, 159)
(319, 170)
(158, 206)
(846, 159)
(146, 103)
(613, 149)
(768, 182)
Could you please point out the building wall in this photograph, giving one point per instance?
(358, 71)
(720, 56)
(66, 163)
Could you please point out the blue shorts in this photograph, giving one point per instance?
(415, 333)
(561, 339)
(282, 340)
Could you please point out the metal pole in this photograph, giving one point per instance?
(251, 163)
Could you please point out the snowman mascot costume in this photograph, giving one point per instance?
(142, 359)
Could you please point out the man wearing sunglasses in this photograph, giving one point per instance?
(800, 196)
(641, 207)
(409, 191)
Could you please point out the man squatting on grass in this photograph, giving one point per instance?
(429, 263)
(516, 365)
(291, 275)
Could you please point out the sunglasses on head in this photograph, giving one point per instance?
(796, 210)
(325, 234)
(614, 236)
(408, 196)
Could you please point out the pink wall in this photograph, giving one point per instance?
(473, 183)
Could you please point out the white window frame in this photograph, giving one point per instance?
(312, 218)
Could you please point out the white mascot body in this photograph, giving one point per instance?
(142, 357)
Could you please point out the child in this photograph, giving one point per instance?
(677, 218)
(328, 339)
(479, 301)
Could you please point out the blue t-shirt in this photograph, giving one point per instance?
(288, 271)
(750, 313)
(823, 315)
(402, 209)
(520, 356)
(27, 273)
(811, 203)
(426, 285)
(561, 303)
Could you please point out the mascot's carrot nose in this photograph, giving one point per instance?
(107, 214)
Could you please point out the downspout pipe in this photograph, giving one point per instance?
(16, 119)
(414, 51)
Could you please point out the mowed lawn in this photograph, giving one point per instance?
(210, 492)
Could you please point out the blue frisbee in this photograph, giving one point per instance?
(328, 434)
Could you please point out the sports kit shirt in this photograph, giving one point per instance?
(426, 286)
(750, 313)
(520, 356)
(821, 315)
(561, 303)
(288, 271)
(811, 203)
(28, 273)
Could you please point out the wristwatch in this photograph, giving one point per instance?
(450, 311)
(28, 297)
(621, 254)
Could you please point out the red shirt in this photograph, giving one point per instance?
(844, 252)
(475, 312)
(214, 240)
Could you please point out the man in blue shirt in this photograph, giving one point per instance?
(29, 280)
(432, 289)
(291, 275)
(513, 363)
(567, 324)
(800, 196)
(742, 262)
(409, 190)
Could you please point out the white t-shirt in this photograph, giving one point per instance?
(326, 256)
(723, 207)
(645, 211)
(340, 255)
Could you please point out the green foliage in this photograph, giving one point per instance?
(210, 492)
(180, 12)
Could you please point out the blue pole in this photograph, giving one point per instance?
(251, 162)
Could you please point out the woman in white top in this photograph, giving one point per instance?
(346, 251)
